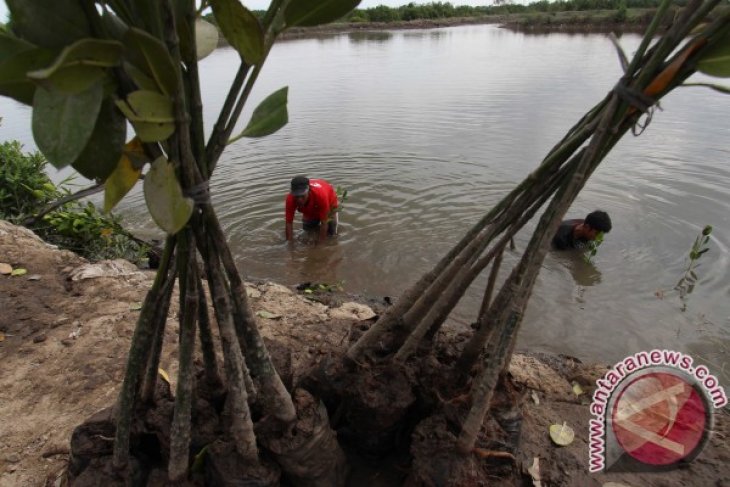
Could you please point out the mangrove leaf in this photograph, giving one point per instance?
(316, 12)
(150, 55)
(241, 28)
(150, 113)
(63, 124)
(269, 116)
(715, 61)
(11, 45)
(31, 21)
(14, 81)
(124, 176)
(206, 38)
(149, 14)
(164, 197)
(102, 152)
(114, 26)
(79, 65)
(141, 79)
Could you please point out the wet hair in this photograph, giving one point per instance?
(599, 220)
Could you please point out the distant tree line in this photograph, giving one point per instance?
(441, 10)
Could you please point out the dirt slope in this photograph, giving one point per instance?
(65, 328)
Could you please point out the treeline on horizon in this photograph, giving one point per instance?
(443, 10)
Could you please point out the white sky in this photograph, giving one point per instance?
(263, 4)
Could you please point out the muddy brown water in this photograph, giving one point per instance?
(427, 129)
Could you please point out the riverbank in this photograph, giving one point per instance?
(66, 326)
(633, 20)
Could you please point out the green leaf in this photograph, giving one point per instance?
(719, 88)
(114, 27)
(14, 81)
(241, 28)
(63, 124)
(317, 12)
(140, 78)
(150, 113)
(206, 38)
(79, 65)
(124, 176)
(269, 116)
(185, 10)
(10, 45)
(49, 23)
(715, 61)
(150, 55)
(148, 106)
(101, 155)
(19, 272)
(153, 132)
(164, 197)
(149, 13)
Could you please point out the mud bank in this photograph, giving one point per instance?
(66, 327)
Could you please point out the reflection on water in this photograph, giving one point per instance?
(369, 36)
(429, 129)
(583, 272)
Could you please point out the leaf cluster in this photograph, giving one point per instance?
(105, 63)
(24, 186)
(593, 245)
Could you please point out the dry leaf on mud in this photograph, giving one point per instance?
(34, 277)
(534, 472)
(2, 336)
(19, 272)
(562, 434)
(5, 269)
(577, 389)
(163, 374)
(535, 398)
(267, 315)
(135, 306)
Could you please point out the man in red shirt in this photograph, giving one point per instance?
(316, 200)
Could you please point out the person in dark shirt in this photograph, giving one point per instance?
(577, 233)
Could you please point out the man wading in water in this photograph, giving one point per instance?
(576, 234)
(316, 200)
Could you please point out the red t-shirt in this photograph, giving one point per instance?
(322, 198)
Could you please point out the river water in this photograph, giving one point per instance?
(428, 129)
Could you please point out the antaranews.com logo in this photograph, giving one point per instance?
(652, 412)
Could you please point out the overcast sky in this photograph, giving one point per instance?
(263, 4)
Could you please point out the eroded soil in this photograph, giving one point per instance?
(66, 327)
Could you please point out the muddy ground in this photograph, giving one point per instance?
(65, 329)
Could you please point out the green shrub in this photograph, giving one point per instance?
(24, 186)
(26, 189)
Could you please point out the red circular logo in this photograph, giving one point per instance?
(660, 418)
